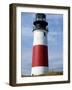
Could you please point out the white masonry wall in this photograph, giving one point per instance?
(39, 38)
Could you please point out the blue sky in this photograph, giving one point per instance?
(55, 41)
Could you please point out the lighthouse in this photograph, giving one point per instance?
(40, 45)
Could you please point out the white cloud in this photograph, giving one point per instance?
(26, 31)
(55, 55)
(26, 62)
(52, 35)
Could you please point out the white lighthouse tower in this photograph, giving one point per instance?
(40, 46)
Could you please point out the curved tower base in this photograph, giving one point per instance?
(39, 70)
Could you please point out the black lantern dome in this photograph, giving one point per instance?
(40, 22)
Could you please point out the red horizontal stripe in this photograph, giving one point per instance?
(40, 55)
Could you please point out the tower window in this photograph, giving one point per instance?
(44, 34)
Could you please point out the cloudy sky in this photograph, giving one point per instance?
(55, 42)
